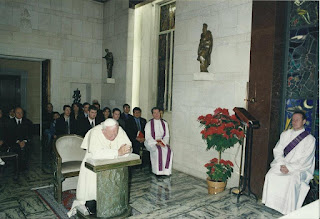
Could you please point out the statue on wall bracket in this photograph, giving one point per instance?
(205, 48)
(109, 62)
(76, 96)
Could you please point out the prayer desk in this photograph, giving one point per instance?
(112, 185)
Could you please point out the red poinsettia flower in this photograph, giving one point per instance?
(214, 160)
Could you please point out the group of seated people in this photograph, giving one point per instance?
(15, 135)
(16, 129)
(80, 118)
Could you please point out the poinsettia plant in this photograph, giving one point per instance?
(219, 171)
(221, 131)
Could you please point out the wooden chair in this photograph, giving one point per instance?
(68, 157)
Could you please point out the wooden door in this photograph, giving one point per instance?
(266, 67)
(10, 95)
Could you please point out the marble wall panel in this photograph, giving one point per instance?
(44, 21)
(44, 4)
(87, 29)
(66, 6)
(56, 23)
(66, 25)
(230, 57)
(76, 27)
(56, 4)
(77, 7)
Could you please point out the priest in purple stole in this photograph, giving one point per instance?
(157, 142)
(287, 182)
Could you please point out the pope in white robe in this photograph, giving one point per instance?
(287, 182)
(104, 141)
(160, 153)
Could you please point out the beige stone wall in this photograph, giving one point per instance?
(118, 21)
(33, 86)
(68, 32)
(196, 93)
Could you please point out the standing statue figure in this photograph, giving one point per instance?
(205, 49)
(76, 96)
(109, 61)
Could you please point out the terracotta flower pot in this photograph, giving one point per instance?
(215, 187)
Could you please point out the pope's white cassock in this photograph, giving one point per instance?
(163, 165)
(286, 192)
(97, 147)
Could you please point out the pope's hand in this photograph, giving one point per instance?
(284, 169)
(124, 149)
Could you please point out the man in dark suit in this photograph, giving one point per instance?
(100, 116)
(86, 106)
(85, 124)
(47, 116)
(134, 125)
(116, 115)
(65, 124)
(125, 116)
(19, 133)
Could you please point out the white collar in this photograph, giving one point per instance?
(298, 131)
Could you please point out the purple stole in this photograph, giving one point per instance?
(153, 134)
(294, 142)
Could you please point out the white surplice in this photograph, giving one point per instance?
(286, 192)
(150, 144)
(97, 147)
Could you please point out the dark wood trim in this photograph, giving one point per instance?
(266, 69)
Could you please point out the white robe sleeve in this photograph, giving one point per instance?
(278, 152)
(105, 152)
(304, 156)
(149, 142)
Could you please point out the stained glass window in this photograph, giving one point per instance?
(165, 55)
(304, 13)
(302, 70)
(167, 16)
(302, 62)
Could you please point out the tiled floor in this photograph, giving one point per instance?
(180, 196)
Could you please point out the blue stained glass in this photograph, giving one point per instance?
(299, 104)
(302, 62)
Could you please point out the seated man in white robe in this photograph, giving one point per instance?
(287, 182)
(104, 141)
(157, 142)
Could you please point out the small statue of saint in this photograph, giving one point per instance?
(205, 49)
(109, 62)
(76, 96)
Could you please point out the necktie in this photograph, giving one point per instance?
(19, 122)
(138, 124)
(92, 124)
(68, 126)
